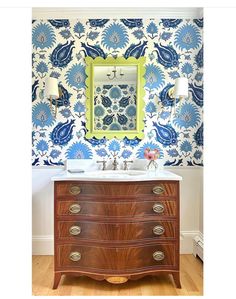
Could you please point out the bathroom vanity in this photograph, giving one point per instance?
(116, 226)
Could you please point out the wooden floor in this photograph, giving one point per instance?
(191, 280)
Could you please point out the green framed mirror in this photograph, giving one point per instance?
(115, 97)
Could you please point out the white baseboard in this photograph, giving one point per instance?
(198, 245)
(186, 241)
(43, 245)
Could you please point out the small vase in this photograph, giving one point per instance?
(152, 166)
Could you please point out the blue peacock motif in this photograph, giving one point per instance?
(96, 142)
(62, 54)
(132, 142)
(34, 89)
(106, 102)
(97, 22)
(136, 50)
(198, 136)
(93, 51)
(166, 100)
(154, 76)
(197, 94)
(57, 23)
(132, 23)
(115, 36)
(64, 99)
(171, 23)
(199, 58)
(79, 150)
(167, 56)
(108, 119)
(122, 119)
(43, 36)
(187, 37)
(165, 134)
(42, 115)
(62, 133)
(124, 101)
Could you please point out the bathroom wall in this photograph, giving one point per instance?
(175, 31)
(172, 47)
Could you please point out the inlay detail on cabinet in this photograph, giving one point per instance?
(116, 230)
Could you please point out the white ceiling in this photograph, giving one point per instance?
(116, 12)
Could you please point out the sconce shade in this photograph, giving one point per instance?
(51, 88)
(181, 87)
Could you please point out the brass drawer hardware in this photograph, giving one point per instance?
(158, 208)
(75, 230)
(158, 230)
(117, 279)
(75, 256)
(158, 256)
(74, 190)
(158, 190)
(75, 208)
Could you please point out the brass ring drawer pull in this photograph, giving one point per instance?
(158, 256)
(158, 190)
(158, 208)
(158, 230)
(75, 208)
(75, 230)
(74, 190)
(75, 256)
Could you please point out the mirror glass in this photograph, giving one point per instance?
(115, 94)
(115, 97)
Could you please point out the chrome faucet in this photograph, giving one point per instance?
(126, 164)
(103, 164)
(115, 164)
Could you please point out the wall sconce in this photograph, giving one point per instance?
(52, 92)
(179, 90)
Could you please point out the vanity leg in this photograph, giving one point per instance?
(57, 278)
(176, 279)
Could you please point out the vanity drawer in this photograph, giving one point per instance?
(117, 209)
(115, 232)
(116, 259)
(76, 189)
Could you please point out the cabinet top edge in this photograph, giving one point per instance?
(163, 175)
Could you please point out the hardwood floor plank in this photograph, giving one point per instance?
(191, 277)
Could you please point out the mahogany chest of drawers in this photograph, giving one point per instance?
(116, 230)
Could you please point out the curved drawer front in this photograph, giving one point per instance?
(116, 209)
(111, 259)
(77, 189)
(115, 232)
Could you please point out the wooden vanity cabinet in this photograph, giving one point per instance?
(116, 230)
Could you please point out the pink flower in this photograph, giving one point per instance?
(151, 155)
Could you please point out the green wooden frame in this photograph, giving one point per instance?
(110, 61)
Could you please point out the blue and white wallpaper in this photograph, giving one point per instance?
(115, 107)
(172, 47)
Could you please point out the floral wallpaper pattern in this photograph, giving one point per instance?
(172, 47)
(115, 107)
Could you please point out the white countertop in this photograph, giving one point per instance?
(117, 176)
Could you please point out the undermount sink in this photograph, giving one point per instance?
(115, 173)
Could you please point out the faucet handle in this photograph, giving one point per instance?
(103, 164)
(126, 164)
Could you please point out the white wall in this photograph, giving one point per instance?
(42, 214)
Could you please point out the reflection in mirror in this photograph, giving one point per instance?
(115, 97)
(115, 94)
